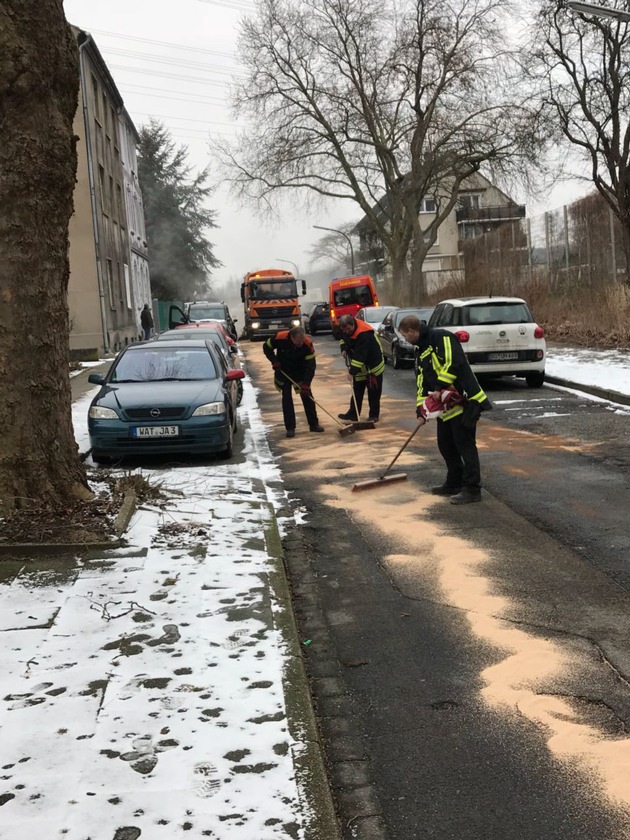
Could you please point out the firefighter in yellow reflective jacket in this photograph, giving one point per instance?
(291, 352)
(442, 364)
(366, 364)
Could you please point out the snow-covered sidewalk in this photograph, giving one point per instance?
(143, 693)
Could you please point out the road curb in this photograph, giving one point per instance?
(311, 776)
(593, 390)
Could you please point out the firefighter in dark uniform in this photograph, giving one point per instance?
(366, 363)
(442, 363)
(292, 352)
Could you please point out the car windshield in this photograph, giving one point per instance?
(159, 364)
(273, 289)
(354, 294)
(375, 314)
(421, 315)
(496, 313)
(206, 313)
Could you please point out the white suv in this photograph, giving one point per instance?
(498, 335)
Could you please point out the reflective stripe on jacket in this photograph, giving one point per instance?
(364, 352)
(298, 362)
(442, 363)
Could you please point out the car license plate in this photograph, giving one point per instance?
(502, 357)
(154, 431)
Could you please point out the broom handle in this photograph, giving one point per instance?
(339, 423)
(421, 422)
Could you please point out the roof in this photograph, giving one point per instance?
(482, 299)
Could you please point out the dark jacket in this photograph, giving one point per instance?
(298, 362)
(146, 319)
(442, 363)
(363, 351)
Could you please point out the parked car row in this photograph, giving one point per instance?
(498, 334)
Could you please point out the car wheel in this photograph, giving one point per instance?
(239, 391)
(229, 449)
(313, 330)
(535, 379)
(395, 359)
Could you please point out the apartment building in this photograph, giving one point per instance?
(481, 207)
(109, 273)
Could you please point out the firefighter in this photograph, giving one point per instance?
(292, 352)
(366, 363)
(442, 363)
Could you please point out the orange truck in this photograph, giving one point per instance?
(271, 302)
(349, 294)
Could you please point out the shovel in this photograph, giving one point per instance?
(344, 431)
(389, 479)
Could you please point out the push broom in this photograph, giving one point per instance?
(431, 408)
(344, 431)
(389, 479)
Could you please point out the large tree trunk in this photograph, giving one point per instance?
(39, 80)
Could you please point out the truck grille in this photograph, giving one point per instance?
(272, 313)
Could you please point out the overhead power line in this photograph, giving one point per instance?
(171, 44)
(175, 62)
(148, 72)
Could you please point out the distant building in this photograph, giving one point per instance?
(109, 270)
(481, 207)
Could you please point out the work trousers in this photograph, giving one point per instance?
(374, 396)
(458, 447)
(288, 411)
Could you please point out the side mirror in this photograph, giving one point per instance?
(235, 320)
(303, 287)
(233, 349)
(96, 379)
(231, 375)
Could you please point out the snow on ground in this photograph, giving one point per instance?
(153, 702)
(602, 368)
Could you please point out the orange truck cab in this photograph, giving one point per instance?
(348, 295)
(270, 301)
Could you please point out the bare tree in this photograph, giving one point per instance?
(581, 67)
(39, 82)
(382, 102)
(334, 248)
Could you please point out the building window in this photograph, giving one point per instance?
(105, 125)
(428, 205)
(127, 285)
(470, 201)
(426, 236)
(97, 103)
(119, 206)
(110, 285)
(112, 206)
(101, 187)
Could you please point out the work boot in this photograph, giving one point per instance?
(290, 432)
(349, 415)
(445, 490)
(316, 428)
(466, 496)
(373, 418)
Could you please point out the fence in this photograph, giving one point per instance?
(578, 246)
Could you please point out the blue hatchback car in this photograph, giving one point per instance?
(164, 397)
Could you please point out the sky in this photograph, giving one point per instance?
(175, 61)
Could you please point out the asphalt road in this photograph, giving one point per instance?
(471, 662)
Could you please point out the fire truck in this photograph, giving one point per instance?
(270, 301)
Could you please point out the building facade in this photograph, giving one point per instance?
(109, 276)
(480, 207)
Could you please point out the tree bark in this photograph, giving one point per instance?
(39, 81)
